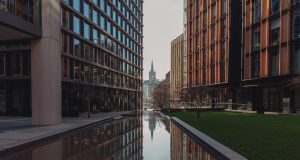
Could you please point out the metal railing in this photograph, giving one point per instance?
(202, 105)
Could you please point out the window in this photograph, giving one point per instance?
(223, 7)
(212, 75)
(296, 54)
(76, 25)
(296, 2)
(204, 3)
(2, 64)
(213, 55)
(86, 10)
(296, 25)
(223, 51)
(108, 27)
(256, 11)
(204, 38)
(214, 11)
(87, 52)
(256, 38)
(16, 63)
(213, 34)
(274, 61)
(204, 18)
(65, 67)
(222, 73)
(76, 5)
(102, 22)
(95, 36)
(76, 47)
(65, 18)
(95, 16)
(275, 6)
(102, 5)
(204, 58)
(77, 71)
(197, 6)
(96, 2)
(65, 43)
(108, 10)
(86, 31)
(204, 76)
(275, 32)
(223, 29)
(255, 64)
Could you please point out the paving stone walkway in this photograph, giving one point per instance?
(18, 131)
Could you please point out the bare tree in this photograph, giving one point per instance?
(161, 95)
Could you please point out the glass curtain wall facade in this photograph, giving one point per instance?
(15, 78)
(102, 55)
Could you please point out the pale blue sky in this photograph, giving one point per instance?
(163, 22)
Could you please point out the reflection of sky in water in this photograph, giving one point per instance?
(156, 139)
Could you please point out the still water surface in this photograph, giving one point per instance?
(132, 138)
(143, 137)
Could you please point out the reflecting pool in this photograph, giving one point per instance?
(143, 136)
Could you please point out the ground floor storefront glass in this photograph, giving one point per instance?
(15, 97)
(75, 99)
(280, 99)
(15, 83)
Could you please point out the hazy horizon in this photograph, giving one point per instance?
(163, 22)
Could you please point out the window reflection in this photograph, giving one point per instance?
(2, 64)
(76, 25)
(296, 50)
(26, 9)
(275, 6)
(76, 5)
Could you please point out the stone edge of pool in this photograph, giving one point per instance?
(23, 144)
(217, 149)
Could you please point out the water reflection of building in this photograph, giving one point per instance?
(120, 139)
(184, 147)
(166, 122)
(152, 123)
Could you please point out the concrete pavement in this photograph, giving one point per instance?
(17, 132)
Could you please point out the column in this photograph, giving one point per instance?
(46, 67)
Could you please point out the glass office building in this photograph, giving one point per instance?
(101, 55)
(81, 55)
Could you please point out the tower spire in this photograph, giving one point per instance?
(152, 67)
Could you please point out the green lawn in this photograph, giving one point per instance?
(257, 137)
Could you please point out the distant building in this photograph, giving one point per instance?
(149, 85)
(176, 73)
(161, 96)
